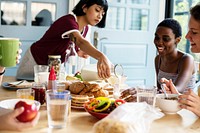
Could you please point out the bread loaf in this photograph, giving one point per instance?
(76, 87)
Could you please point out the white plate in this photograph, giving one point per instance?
(10, 103)
(13, 88)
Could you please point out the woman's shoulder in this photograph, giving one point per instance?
(68, 20)
(157, 58)
(186, 59)
(186, 56)
(68, 16)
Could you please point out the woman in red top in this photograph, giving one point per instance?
(55, 40)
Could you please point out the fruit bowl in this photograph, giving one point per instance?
(95, 114)
(10, 103)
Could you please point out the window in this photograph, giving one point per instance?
(128, 15)
(43, 14)
(13, 13)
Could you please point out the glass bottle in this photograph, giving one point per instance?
(71, 59)
(54, 60)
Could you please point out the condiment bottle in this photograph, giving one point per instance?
(52, 80)
(71, 58)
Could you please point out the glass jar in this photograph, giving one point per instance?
(54, 60)
(39, 89)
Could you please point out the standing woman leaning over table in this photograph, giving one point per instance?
(55, 40)
(189, 100)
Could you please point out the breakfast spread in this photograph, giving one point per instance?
(86, 88)
(78, 101)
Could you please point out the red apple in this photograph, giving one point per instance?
(30, 111)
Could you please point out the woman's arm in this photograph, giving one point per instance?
(186, 69)
(103, 65)
(156, 68)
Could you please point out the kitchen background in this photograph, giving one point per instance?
(127, 38)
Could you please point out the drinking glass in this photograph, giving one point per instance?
(57, 108)
(60, 86)
(146, 94)
(25, 93)
(41, 73)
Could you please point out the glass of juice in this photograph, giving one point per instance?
(40, 90)
(25, 94)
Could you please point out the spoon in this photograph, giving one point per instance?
(163, 89)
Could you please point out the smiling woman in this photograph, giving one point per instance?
(181, 13)
(172, 63)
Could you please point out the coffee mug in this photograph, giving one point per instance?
(8, 51)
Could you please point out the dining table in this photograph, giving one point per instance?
(80, 121)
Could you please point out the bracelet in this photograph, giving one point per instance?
(3, 72)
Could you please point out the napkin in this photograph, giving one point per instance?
(20, 84)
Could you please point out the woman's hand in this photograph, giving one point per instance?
(9, 122)
(19, 54)
(104, 67)
(169, 86)
(190, 101)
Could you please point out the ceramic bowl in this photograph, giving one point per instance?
(10, 103)
(168, 105)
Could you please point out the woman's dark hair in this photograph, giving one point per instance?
(195, 12)
(172, 24)
(78, 9)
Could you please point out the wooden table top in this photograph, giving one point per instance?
(80, 121)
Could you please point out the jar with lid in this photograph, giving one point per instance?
(54, 60)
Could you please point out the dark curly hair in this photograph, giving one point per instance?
(78, 9)
(195, 12)
(172, 24)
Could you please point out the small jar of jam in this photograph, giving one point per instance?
(40, 90)
(54, 60)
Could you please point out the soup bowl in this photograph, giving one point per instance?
(168, 105)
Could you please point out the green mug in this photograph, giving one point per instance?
(8, 51)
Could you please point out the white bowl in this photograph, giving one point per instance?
(168, 106)
(10, 103)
